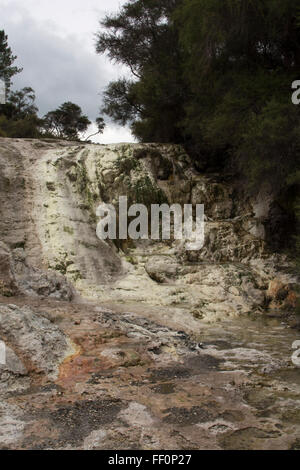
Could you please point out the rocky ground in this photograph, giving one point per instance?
(144, 345)
(84, 376)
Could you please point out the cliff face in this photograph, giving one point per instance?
(49, 192)
(138, 345)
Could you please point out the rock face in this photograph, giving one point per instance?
(17, 277)
(8, 286)
(135, 383)
(49, 194)
(158, 351)
(43, 345)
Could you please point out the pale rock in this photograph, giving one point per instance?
(136, 415)
(49, 230)
(40, 341)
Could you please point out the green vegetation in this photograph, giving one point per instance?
(143, 191)
(100, 128)
(5, 290)
(143, 37)
(215, 76)
(7, 69)
(19, 115)
(125, 165)
(83, 185)
(69, 230)
(212, 75)
(66, 122)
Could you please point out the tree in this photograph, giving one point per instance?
(29, 127)
(142, 37)
(100, 127)
(120, 102)
(20, 104)
(215, 76)
(239, 56)
(66, 122)
(18, 116)
(135, 36)
(7, 70)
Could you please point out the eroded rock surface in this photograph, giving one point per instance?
(49, 195)
(41, 343)
(136, 381)
(142, 345)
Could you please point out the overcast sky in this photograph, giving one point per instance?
(55, 44)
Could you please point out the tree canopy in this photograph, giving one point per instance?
(142, 37)
(20, 104)
(19, 115)
(67, 121)
(7, 69)
(100, 128)
(215, 76)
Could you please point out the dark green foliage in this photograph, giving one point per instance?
(100, 127)
(139, 35)
(120, 102)
(215, 76)
(21, 104)
(20, 128)
(142, 37)
(7, 70)
(66, 122)
(18, 117)
(241, 57)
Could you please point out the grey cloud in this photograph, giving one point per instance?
(58, 68)
(60, 64)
